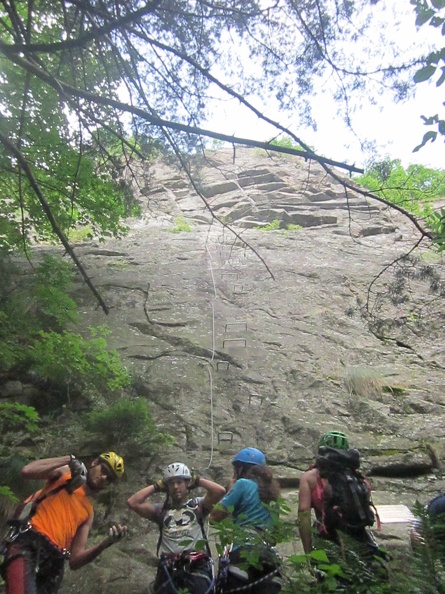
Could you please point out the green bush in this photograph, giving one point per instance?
(29, 304)
(6, 493)
(10, 351)
(181, 226)
(128, 425)
(17, 417)
(86, 363)
(275, 225)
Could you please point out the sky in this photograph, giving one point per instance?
(395, 128)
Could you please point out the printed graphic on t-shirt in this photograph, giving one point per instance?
(181, 528)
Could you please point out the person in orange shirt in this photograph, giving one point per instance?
(54, 523)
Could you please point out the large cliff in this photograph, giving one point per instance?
(319, 321)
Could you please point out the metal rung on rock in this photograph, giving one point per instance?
(225, 436)
(235, 326)
(256, 397)
(239, 289)
(222, 365)
(241, 342)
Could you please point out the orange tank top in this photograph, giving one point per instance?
(59, 516)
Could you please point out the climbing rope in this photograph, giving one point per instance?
(210, 367)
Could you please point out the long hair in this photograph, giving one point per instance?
(268, 486)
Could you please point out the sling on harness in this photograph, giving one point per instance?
(178, 571)
(21, 523)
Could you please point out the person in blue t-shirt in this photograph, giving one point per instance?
(251, 490)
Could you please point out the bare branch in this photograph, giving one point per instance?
(67, 90)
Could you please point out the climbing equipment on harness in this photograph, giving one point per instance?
(250, 456)
(187, 563)
(22, 522)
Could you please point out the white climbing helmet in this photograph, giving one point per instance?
(177, 470)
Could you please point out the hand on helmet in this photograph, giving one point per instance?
(160, 486)
(194, 481)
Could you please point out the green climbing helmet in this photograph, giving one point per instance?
(335, 439)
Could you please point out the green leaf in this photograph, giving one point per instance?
(319, 555)
(424, 16)
(442, 127)
(8, 494)
(438, 3)
(428, 136)
(424, 73)
(441, 78)
(431, 120)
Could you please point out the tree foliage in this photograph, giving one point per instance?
(36, 313)
(87, 85)
(431, 13)
(128, 426)
(415, 189)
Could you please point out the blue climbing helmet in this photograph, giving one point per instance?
(250, 456)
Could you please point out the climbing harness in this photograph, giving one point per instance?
(22, 523)
(21, 528)
(178, 567)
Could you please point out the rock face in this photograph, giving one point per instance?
(318, 323)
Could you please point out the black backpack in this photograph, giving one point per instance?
(347, 500)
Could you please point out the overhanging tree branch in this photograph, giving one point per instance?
(46, 208)
(82, 40)
(68, 90)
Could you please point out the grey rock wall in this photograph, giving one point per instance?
(271, 344)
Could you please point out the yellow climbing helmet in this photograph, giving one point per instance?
(115, 462)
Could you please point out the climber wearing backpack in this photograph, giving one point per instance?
(250, 563)
(53, 524)
(338, 493)
(182, 563)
